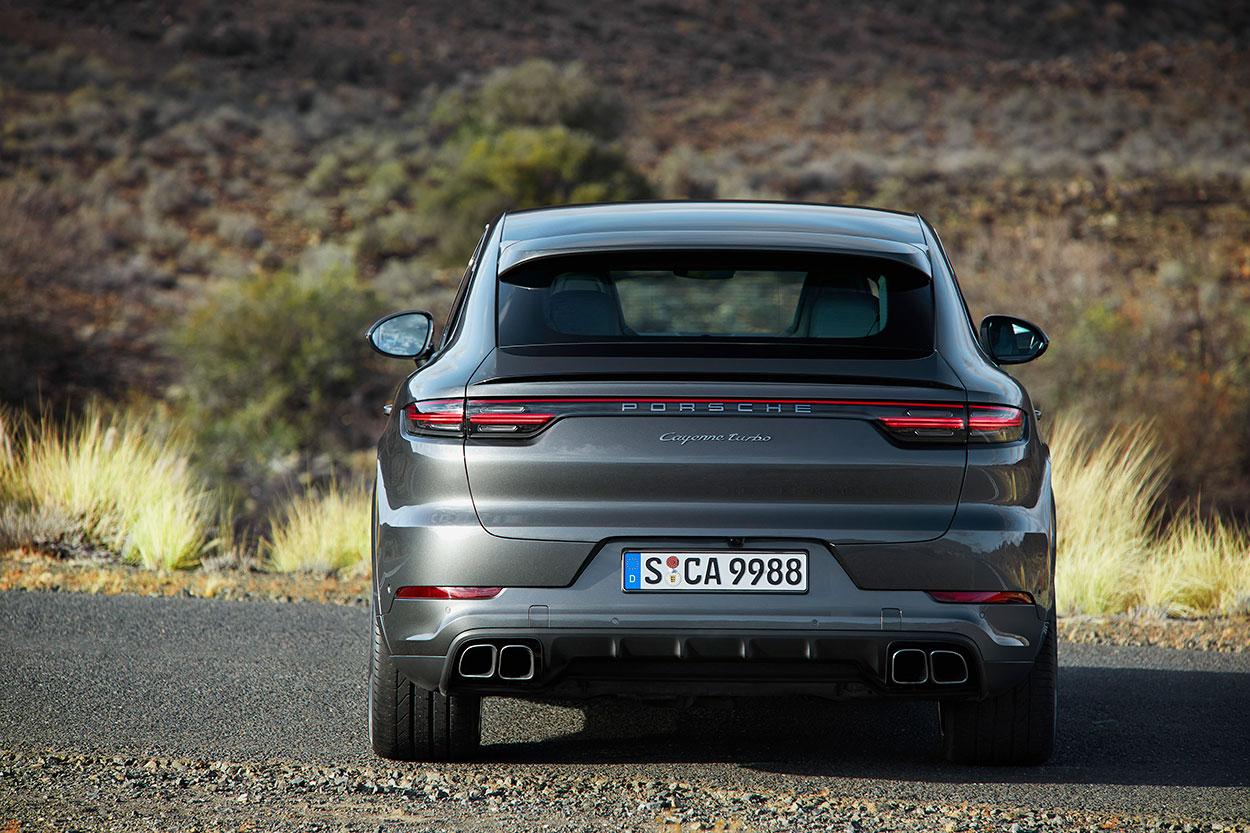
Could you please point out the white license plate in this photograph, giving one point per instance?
(743, 570)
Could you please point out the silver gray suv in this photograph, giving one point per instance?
(676, 449)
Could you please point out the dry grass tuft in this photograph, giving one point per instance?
(1202, 566)
(323, 532)
(119, 482)
(1115, 553)
(1106, 488)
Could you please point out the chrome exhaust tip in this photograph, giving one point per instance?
(477, 662)
(909, 666)
(517, 663)
(948, 667)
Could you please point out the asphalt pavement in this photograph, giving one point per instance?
(1141, 729)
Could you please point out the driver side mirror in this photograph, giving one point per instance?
(1012, 340)
(403, 335)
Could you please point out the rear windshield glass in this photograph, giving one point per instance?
(830, 303)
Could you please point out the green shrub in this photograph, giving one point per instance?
(300, 206)
(385, 182)
(538, 93)
(274, 367)
(401, 234)
(522, 167)
(326, 176)
(418, 284)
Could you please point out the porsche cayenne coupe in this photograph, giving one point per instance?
(684, 449)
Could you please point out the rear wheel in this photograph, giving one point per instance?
(1013, 728)
(408, 723)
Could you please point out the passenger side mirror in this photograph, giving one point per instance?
(1012, 340)
(403, 335)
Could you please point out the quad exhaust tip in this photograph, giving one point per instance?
(478, 661)
(948, 667)
(914, 666)
(516, 662)
(513, 663)
(909, 666)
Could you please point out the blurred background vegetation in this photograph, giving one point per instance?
(202, 206)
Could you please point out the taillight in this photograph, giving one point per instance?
(924, 422)
(995, 424)
(985, 597)
(426, 592)
(435, 418)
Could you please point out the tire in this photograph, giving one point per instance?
(408, 723)
(1014, 728)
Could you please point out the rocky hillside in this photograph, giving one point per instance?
(1088, 164)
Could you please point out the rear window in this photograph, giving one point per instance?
(825, 303)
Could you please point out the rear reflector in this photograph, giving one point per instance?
(985, 597)
(424, 592)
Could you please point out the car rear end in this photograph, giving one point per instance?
(684, 472)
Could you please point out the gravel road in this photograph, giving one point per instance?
(128, 705)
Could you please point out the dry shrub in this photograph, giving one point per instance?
(321, 532)
(1115, 552)
(114, 481)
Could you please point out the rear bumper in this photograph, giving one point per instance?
(589, 663)
(591, 638)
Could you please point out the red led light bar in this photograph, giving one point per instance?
(425, 592)
(435, 419)
(726, 400)
(986, 597)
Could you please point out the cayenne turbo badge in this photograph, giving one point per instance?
(683, 449)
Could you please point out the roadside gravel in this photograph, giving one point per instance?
(1216, 633)
(58, 791)
(39, 572)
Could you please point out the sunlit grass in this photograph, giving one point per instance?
(1106, 488)
(1201, 566)
(117, 480)
(1115, 553)
(321, 532)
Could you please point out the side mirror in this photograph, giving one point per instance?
(403, 335)
(1012, 340)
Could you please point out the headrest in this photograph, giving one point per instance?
(844, 313)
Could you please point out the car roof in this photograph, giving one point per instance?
(722, 225)
(714, 216)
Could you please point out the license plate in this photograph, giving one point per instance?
(744, 570)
